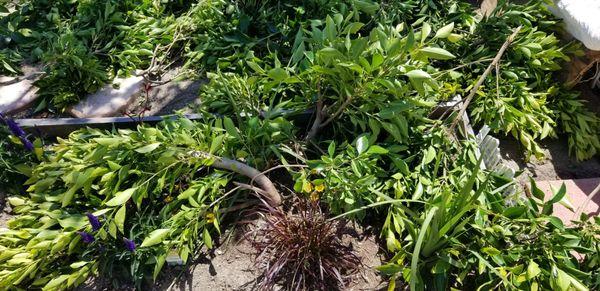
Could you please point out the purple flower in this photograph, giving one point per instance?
(93, 221)
(14, 128)
(86, 237)
(26, 143)
(129, 244)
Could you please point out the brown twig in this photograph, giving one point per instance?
(337, 112)
(319, 123)
(487, 71)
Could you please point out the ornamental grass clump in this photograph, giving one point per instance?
(302, 250)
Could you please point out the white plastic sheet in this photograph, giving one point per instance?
(582, 19)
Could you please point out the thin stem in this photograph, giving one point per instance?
(224, 196)
(463, 65)
(337, 112)
(508, 41)
(393, 201)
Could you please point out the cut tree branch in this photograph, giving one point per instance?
(487, 71)
(317, 123)
(267, 187)
(337, 112)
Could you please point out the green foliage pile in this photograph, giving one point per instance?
(145, 186)
(345, 90)
(454, 228)
(84, 44)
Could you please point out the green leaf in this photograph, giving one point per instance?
(533, 270)
(56, 282)
(362, 144)
(216, 143)
(445, 31)
(535, 190)
(558, 196)
(254, 66)
(74, 221)
(369, 7)
(78, 265)
(68, 196)
(148, 148)
(160, 261)
(437, 53)
(514, 212)
(389, 269)
(453, 37)
(425, 31)
(207, 239)
(120, 218)
(112, 229)
(429, 155)
(414, 262)
(8, 67)
(330, 30)
(329, 52)
(230, 127)
(278, 74)
(556, 222)
(353, 28)
(155, 237)
(121, 197)
(331, 149)
(491, 251)
(410, 40)
(375, 149)
(418, 75)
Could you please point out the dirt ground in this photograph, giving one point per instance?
(231, 266)
(557, 165)
(175, 96)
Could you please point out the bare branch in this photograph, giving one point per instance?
(317, 123)
(487, 71)
(337, 112)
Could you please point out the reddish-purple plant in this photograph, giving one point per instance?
(302, 250)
